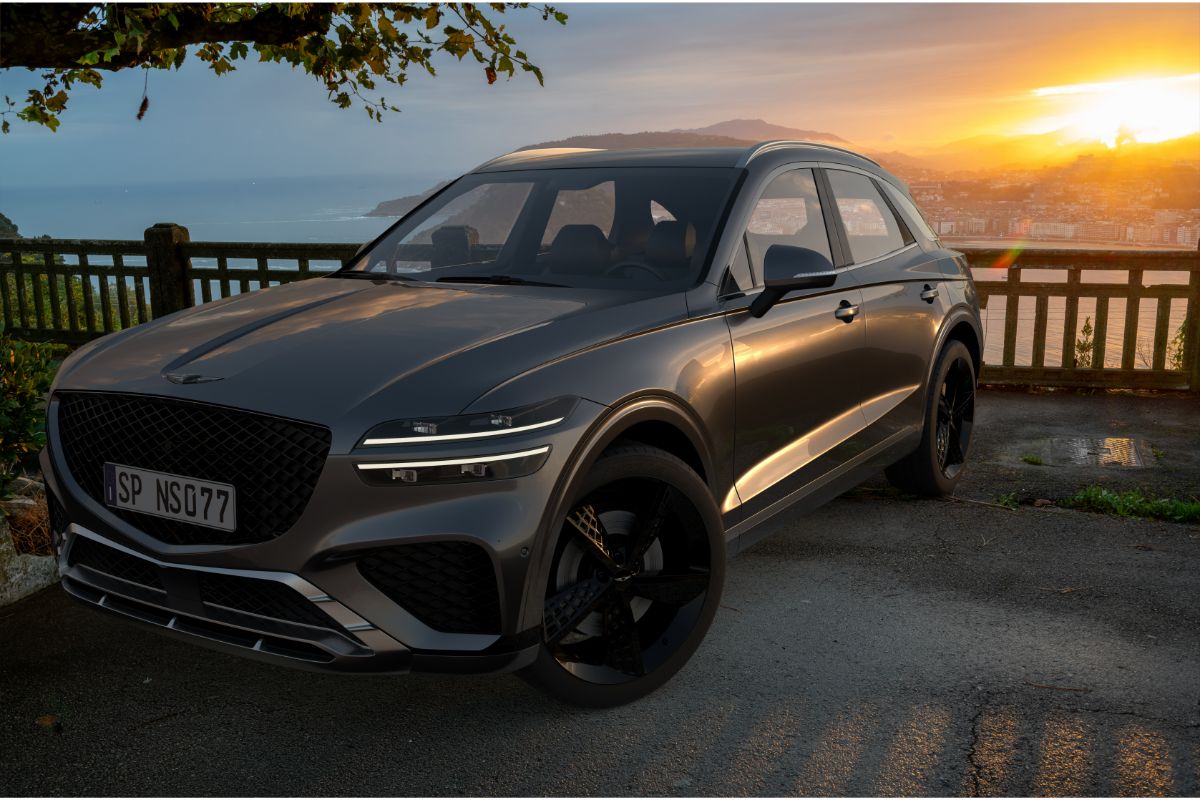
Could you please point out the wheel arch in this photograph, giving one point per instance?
(654, 419)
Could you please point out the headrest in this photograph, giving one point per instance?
(671, 244)
(452, 245)
(579, 250)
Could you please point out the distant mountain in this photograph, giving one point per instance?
(402, 205)
(757, 130)
(632, 141)
(993, 153)
(731, 133)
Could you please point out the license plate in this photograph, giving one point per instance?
(160, 494)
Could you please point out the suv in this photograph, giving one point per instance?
(524, 428)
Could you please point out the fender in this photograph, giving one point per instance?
(961, 312)
(650, 407)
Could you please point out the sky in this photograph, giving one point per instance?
(893, 76)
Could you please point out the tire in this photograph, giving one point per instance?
(654, 530)
(936, 466)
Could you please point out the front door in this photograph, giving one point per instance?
(797, 383)
(904, 303)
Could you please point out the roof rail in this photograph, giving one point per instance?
(518, 156)
(765, 147)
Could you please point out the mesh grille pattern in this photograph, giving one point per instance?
(273, 463)
(450, 586)
(56, 512)
(265, 598)
(102, 558)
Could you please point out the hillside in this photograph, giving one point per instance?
(757, 130)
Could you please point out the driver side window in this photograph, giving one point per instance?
(788, 212)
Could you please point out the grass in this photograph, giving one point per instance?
(1158, 454)
(1008, 500)
(1133, 503)
(1035, 460)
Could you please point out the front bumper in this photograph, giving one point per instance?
(317, 560)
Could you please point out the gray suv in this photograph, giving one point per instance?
(524, 428)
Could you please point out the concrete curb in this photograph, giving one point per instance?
(21, 575)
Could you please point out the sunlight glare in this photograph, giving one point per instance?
(1116, 112)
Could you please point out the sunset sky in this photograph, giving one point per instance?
(906, 77)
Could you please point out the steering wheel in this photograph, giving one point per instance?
(620, 266)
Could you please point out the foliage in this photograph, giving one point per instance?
(26, 372)
(1134, 503)
(8, 228)
(348, 47)
(1034, 460)
(1083, 345)
(59, 298)
(1008, 500)
(1175, 348)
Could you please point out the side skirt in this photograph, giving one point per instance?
(822, 489)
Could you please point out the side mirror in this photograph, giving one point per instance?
(787, 268)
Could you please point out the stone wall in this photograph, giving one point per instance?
(21, 575)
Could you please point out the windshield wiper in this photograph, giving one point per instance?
(370, 276)
(499, 280)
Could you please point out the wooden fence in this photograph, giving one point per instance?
(1156, 294)
(73, 290)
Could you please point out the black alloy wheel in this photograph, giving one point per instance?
(936, 466)
(955, 416)
(634, 581)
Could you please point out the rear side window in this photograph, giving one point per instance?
(871, 227)
(902, 200)
(788, 212)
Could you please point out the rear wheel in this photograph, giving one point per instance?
(935, 467)
(635, 580)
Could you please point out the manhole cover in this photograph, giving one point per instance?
(1102, 451)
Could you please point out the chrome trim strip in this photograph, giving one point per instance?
(340, 614)
(811, 446)
(452, 462)
(450, 437)
(738, 531)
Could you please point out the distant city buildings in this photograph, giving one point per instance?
(1031, 207)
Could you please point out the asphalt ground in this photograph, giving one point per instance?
(880, 645)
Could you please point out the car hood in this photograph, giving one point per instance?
(330, 349)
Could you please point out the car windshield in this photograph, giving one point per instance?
(623, 228)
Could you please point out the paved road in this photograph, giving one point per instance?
(878, 646)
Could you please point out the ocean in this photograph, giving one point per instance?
(320, 209)
(333, 209)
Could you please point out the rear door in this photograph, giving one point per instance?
(797, 393)
(903, 302)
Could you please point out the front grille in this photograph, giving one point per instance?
(264, 598)
(273, 463)
(56, 513)
(450, 586)
(98, 557)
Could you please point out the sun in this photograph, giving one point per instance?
(1115, 112)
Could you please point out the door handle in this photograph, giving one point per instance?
(846, 312)
(929, 294)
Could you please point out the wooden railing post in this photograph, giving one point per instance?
(170, 279)
(1191, 334)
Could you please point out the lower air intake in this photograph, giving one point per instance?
(449, 586)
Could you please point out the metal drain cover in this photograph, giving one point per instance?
(1098, 451)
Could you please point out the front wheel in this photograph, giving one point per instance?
(935, 467)
(635, 580)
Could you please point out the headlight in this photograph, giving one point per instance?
(431, 430)
(456, 470)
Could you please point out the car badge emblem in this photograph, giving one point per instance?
(184, 378)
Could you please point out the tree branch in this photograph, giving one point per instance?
(24, 26)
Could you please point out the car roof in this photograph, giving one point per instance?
(769, 152)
